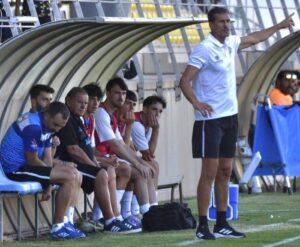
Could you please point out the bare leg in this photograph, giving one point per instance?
(208, 174)
(123, 172)
(155, 165)
(140, 187)
(221, 183)
(130, 186)
(151, 190)
(152, 182)
(76, 192)
(68, 186)
(102, 194)
(113, 190)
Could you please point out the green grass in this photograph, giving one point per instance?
(266, 218)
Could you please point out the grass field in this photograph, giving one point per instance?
(268, 219)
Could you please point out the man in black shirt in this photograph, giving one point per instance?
(76, 147)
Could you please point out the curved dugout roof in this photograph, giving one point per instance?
(261, 74)
(71, 53)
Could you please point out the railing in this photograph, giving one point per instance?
(247, 15)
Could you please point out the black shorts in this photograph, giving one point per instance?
(27, 173)
(215, 138)
(89, 174)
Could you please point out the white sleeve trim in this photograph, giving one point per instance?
(139, 137)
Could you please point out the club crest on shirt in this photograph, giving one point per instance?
(22, 118)
(45, 137)
(33, 144)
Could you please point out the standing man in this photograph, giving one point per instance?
(211, 67)
(25, 155)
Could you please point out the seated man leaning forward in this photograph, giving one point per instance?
(110, 163)
(146, 130)
(25, 155)
(109, 141)
(284, 88)
(125, 117)
(76, 147)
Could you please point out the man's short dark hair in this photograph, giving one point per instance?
(74, 91)
(116, 81)
(153, 100)
(38, 88)
(214, 11)
(57, 107)
(131, 95)
(283, 73)
(93, 90)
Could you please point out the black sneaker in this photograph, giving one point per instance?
(203, 233)
(227, 232)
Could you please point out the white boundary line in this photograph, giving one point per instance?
(253, 229)
(294, 220)
(188, 242)
(284, 241)
(268, 210)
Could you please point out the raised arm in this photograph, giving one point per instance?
(256, 37)
(154, 124)
(128, 129)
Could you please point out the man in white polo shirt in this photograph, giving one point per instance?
(109, 141)
(145, 131)
(211, 67)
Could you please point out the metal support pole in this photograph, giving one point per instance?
(19, 218)
(78, 9)
(56, 11)
(36, 212)
(33, 12)
(14, 30)
(154, 57)
(1, 218)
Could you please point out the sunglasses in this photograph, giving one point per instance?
(291, 76)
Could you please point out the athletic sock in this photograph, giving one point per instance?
(120, 218)
(203, 220)
(70, 214)
(97, 213)
(126, 204)
(107, 222)
(144, 208)
(57, 226)
(120, 194)
(221, 218)
(135, 208)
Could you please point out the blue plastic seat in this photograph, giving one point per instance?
(19, 189)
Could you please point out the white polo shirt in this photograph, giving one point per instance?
(140, 136)
(103, 126)
(215, 84)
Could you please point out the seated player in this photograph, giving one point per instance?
(76, 147)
